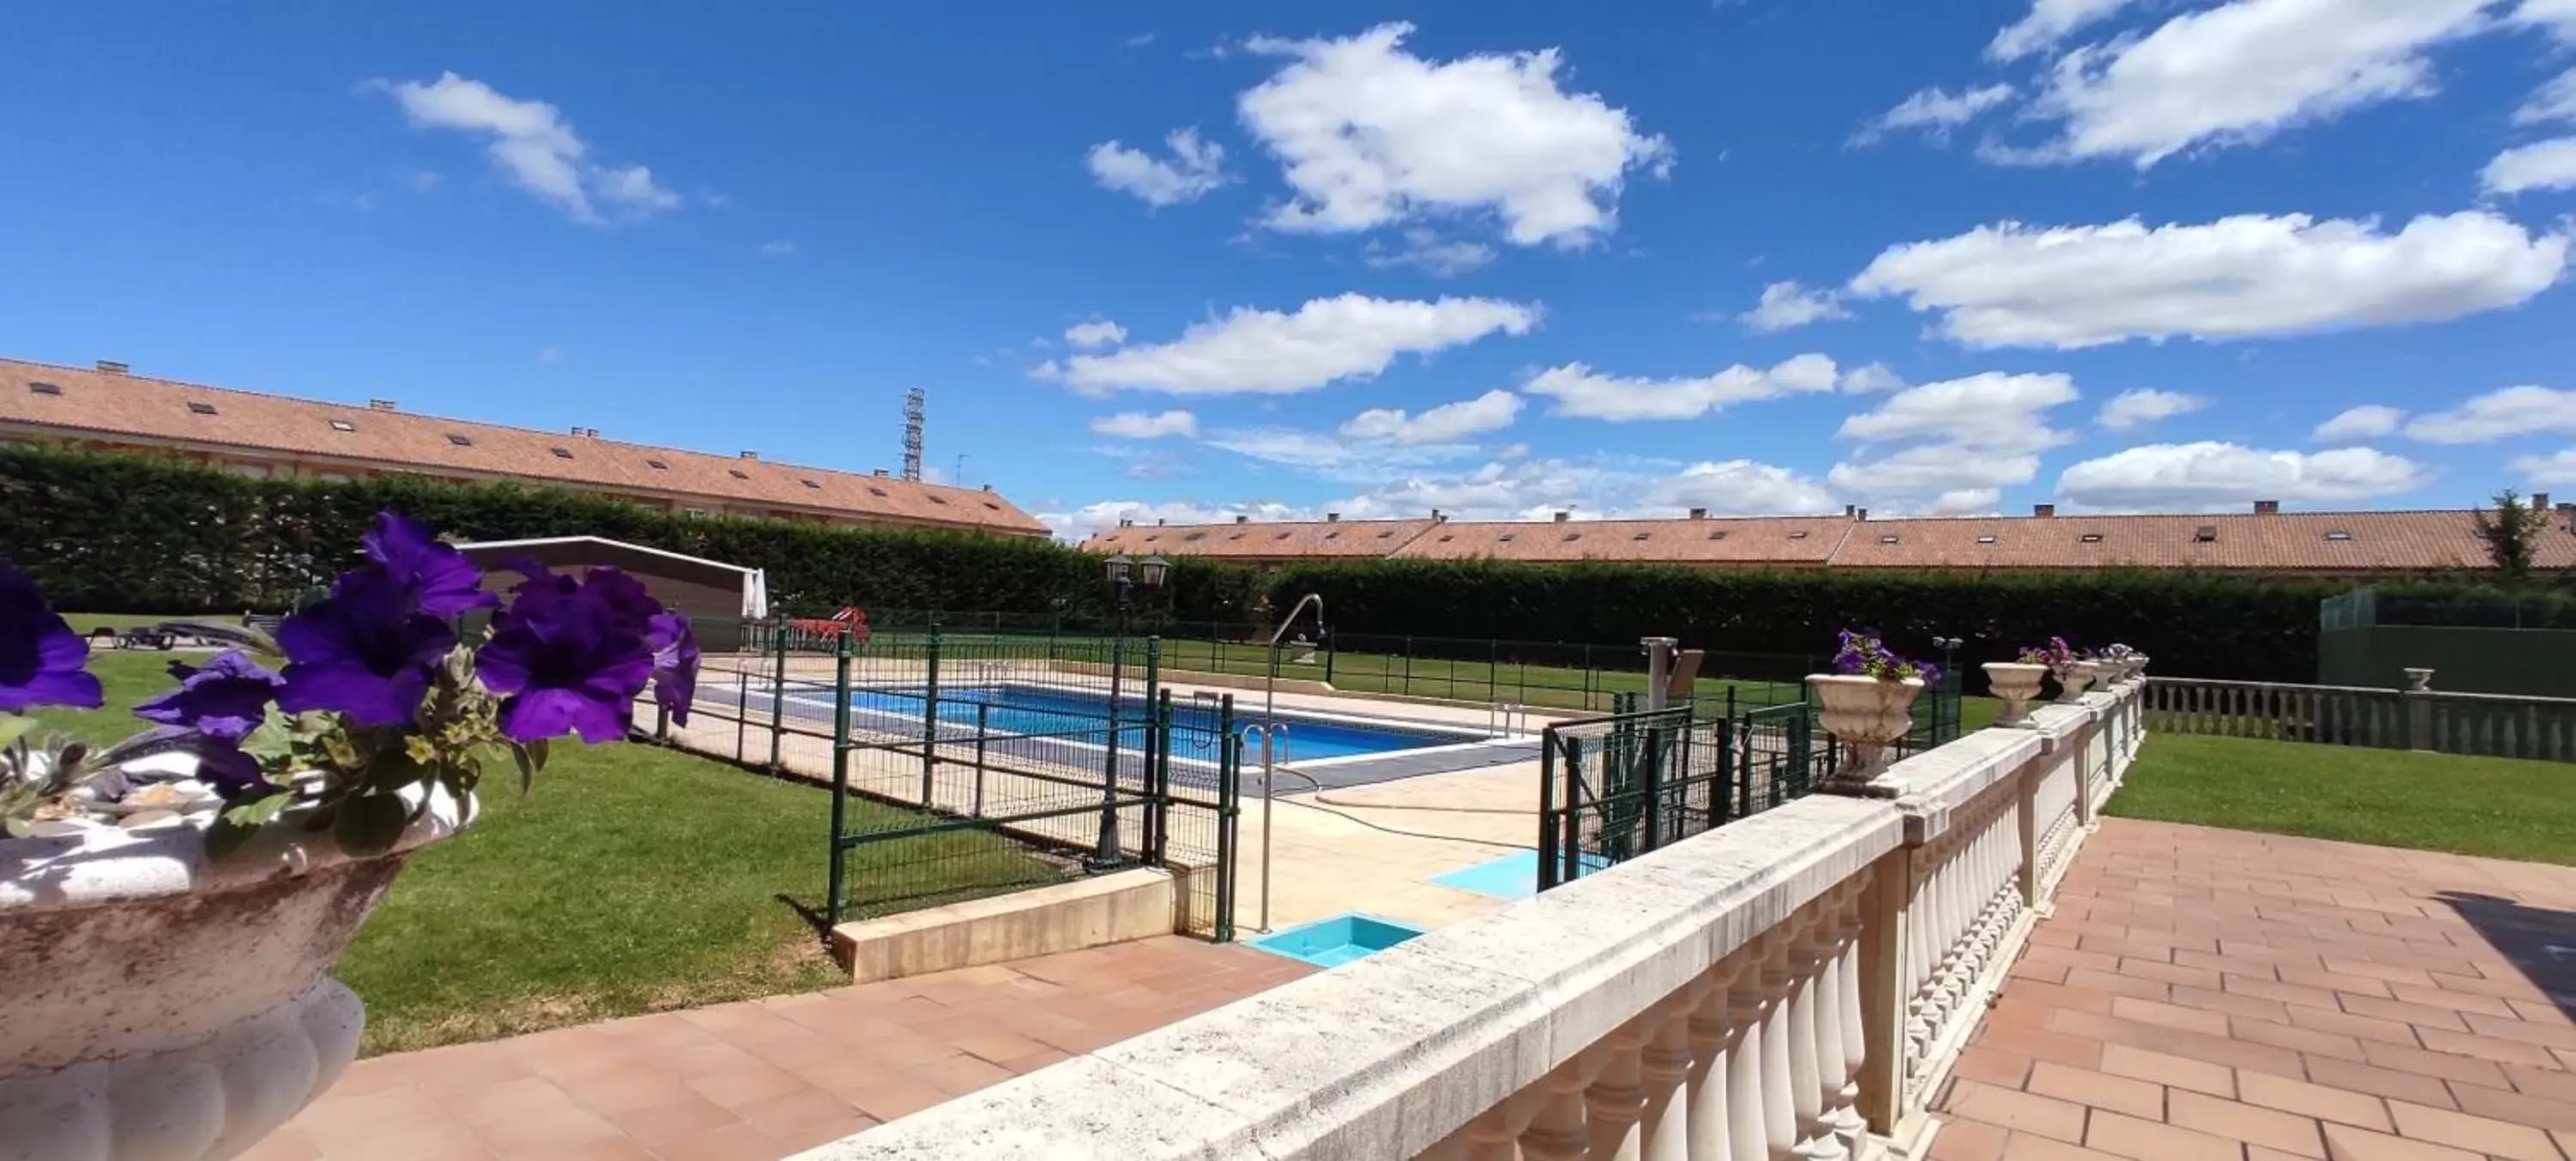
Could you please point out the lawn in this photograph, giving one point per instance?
(633, 878)
(2500, 807)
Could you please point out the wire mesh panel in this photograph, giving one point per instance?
(1616, 787)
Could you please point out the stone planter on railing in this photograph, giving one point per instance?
(2072, 678)
(166, 1005)
(2018, 685)
(1866, 715)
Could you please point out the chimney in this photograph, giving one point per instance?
(111, 367)
(880, 473)
(1849, 510)
(1332, 517)
(2540, 500)
(751, 455)
(381, 405)
(1123, 522)
(1243, 519)
(987, 487)
(2267, 507)
(1436, 517)
(1863, 514)
(1562, 517)
(1699, 514)
(1158, 522)
(2043, 511)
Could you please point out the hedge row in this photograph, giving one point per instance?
(135, 534)
(110, 533)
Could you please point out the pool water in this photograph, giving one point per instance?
(1033, 709)
(1513, 876)
(1338, 940)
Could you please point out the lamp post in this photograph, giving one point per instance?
(1949, 647)
(1124, 575)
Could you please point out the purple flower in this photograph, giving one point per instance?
(675, 664)
(566, 661)
(220, 763)
(438, 576)
(366, 652)
(40, 656)
(226, 699)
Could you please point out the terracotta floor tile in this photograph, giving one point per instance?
(2474, 1133)
(2170, 1071)
(292, 1145)
(2314, 1100)
(731, 1143)
(2441, 1065)
(2345, 1143)
(2252, 1124)
(1968, 1141)
(2098, 1090)
(2019, 1112)
(2150, 1141)
(2024, 1147)
(2386, 1082)
(683, 1116)
(2519, 1108)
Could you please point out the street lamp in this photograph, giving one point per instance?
(1125, 575)
(1950, 679)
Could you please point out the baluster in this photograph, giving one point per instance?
(1615, 1100)
(1716, 1041)
(1807, 1064)
(1556, 1131)
(1842, 1095)
(1779, 1136)
(1665, 1068)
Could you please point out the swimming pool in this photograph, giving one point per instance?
(1021, 708)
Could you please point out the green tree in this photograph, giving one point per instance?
(2512, 532)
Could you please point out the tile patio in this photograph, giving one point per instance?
(764, 1078)
(2251, 997)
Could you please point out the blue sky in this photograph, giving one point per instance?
(1191, 260)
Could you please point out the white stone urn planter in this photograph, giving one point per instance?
(2071, 681)
(2017, 683)
(167, 1007)
(1867, 715)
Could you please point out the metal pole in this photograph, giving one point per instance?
(930, 716)
(1104, 854)
(1269, 766)
(778, 706)
(840, 769)
(741, 712)
(983, 710)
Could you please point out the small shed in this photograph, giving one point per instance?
(719, 598)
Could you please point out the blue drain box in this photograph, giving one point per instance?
(1337, 940)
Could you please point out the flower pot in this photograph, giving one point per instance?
(1866, 715)
(2017, 684)
(164, 1005)
(2071, 680)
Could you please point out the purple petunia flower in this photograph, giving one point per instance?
(40, 656)
(565, 661)
(226, 699)
(675, 664)
(439, 577)
(366, 652)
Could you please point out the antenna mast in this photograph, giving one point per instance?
(912, 414)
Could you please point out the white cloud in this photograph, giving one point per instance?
(1369, 134)
(1953, 477)
(2558, 16)
(1496, 490)
(2513, 411)
(1196, 167)
(2049, 22)
(1080, 523)
(1936, 111)
(2204, 474)
(1269, 352)
(1141, 425)
(1743, 486)
(2552, 469)
(1787, 304)
(2082, 286)
(1447, 423)
(1096, 333)
(2555, 101)
(1581, 391)
(2240, 72)
(2368, 421)
(533, 146)
(1426, 250)
(2547, 164)
(777, 249)
(1996, 412)
(2139, 408)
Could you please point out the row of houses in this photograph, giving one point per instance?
(108, 407)
(2265, 539)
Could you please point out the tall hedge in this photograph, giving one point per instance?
(114, 533)
(123, 533)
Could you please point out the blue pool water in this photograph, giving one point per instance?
(1513, 876)
(1033, 709)
(1338, 940)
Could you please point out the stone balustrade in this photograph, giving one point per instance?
(1794, 984)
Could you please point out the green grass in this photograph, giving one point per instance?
(2500, 807)
(82, 623)
(633, 879)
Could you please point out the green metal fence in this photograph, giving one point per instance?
(975, 764)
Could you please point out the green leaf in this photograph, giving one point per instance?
(369, 823)
(14, 727)
(527, 764)
(537, 751)
(236, 824)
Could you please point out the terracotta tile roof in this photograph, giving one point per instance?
(1299, 540)
(1788, 541)
(103, 406)
(2285, 541)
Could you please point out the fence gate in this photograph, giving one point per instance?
(1616, 787)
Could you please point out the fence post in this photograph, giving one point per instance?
(840, 771)
(1547, 853)
(930, 715)
(1326, 632)
(1229, 799)
(1653, 785)
(1493, 661)
(778, 707)
(1569, 851)
(983, 729)
(741, 713)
